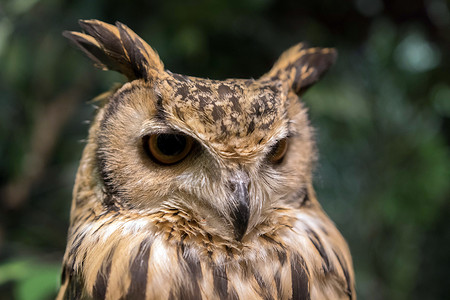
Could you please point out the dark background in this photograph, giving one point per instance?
(382, 116)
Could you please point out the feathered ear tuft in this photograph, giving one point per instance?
(116, 48)
(301, 66)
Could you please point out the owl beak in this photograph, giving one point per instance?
(241, 211)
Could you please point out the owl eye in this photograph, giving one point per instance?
(278, 151)
(168, 149)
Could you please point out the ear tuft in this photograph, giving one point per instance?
(301, 66)
(116, 48)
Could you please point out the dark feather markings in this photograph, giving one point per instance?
(135, 50)
(319, 246)
(161, 114)
(101, 282)
(299, 279)
(282, 256)
(64, 274)
(342, 263)
(271, 240)
(76, 243)
(139, 271)
(310, 64)
(113, 200)
(179, 77)
(169, 237)
(112, 220)
(92, 51)
(107, 38)
(172, 295)
(75, 287)
(318, 62)
(263, 290)
(229, 251)
(194, 273)
(301, 197)
(232, 295)
(110, 52)
(277, 278)
(220, 281)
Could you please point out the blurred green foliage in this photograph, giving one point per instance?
(382, 116)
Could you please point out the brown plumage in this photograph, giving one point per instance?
(192, 188)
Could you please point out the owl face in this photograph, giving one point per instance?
(221, 149)
(227, 153)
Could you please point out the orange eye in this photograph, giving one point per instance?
(168, 149)
(278, 151)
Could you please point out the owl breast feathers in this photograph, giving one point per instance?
(192, 188)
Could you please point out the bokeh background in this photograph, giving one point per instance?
(382, 116)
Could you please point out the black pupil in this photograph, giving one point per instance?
(171, 144)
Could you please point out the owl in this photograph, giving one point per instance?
(192, 188)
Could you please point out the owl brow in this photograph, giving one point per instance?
(157, 126)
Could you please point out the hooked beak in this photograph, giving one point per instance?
(241, 212)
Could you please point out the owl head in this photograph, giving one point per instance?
(224, 153)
